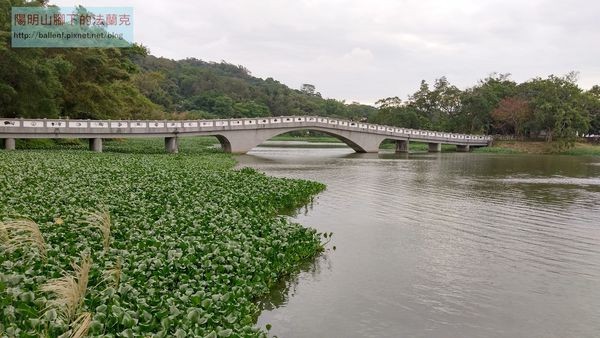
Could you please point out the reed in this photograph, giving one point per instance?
(100, 219)
(81, 325)
(69, 291)
(114, 274)
(22, 234)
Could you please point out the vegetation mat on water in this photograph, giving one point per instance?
(201, 145)
(142, 245)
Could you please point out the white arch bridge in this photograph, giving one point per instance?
(235, 135)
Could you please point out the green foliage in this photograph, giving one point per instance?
(74, 82)
(496, 150)
(580, 150)
(592, 103)
(479, 102)
(192, 242)
(250, 109)
(127, 83)
(225, 90)
(558, 107)
(405, 116)
(554, 107)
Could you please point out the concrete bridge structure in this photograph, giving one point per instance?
(235, 135)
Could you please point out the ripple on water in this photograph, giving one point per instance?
(453, 245)
(559, 180)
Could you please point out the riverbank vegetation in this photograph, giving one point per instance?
(128, 83)
(549, 108)
(130, 244)
(540, 147)
(499, 147)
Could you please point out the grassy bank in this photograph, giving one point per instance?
(496, 150)
(536, 147)
(163, 245)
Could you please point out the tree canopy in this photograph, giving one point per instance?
(552, 107)
(128, 83)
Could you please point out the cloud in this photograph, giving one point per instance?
(359, 50)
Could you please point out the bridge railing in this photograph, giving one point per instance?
(71, 126)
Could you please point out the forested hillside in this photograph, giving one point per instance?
(209, 89)
(128, 83)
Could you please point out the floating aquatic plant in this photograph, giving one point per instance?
(196, 243)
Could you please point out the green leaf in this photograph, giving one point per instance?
(225, 333)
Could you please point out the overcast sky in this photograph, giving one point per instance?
(361, 50)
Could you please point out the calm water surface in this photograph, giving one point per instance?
(443, 245)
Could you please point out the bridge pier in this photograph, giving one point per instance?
(463, 148)
(171, 145)
(9, 144)
(435, 147)
(95, 144)
(402, 146)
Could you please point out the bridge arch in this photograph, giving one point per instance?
(242, 142)
(225, 144)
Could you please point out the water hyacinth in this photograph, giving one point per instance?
(197, 243)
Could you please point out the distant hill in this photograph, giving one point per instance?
(210, 89)
(128, 83)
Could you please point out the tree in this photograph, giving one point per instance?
(358, 111)
(558, 106)
(389, 102)
(512, 114)
(308, 89)
(478, 102)
(222, 105)
(332, 107)
(436, 106)
(593, 106)
(393, 113)
(74, 82)
(156, 87)
(250, 109)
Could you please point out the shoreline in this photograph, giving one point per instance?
(498, 147)
(207, 144)
(540, 148)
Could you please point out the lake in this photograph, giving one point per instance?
(442, 245)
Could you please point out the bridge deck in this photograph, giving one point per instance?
(68, 128)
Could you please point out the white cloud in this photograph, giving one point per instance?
(359, 50)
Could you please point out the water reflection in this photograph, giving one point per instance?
(443, 245)
(286, 288)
